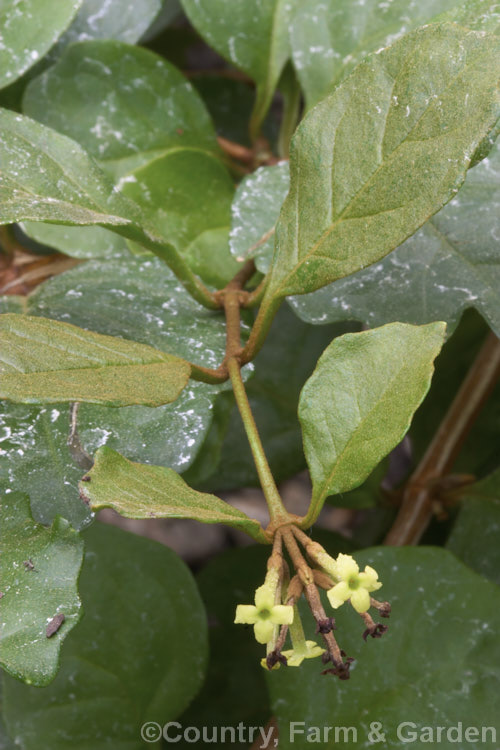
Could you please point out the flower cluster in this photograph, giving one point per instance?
(275, 614)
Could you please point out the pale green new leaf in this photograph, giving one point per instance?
(117, 100)
(144, 491)
(251, 35)
(39, 568)
(45, 361)
(384, 152)
(28, 29)
(358, 403)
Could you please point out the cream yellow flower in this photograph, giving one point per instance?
(352, 584)
(265, 614)
(304, 650)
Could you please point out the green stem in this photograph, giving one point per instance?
(277, 510)
(260, 329)
(169, 255)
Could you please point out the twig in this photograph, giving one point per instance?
(416, 509)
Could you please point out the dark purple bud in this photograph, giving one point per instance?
(326, 625)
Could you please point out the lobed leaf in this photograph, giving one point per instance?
(44, 361)
(386, 150)
(358, 403)
(39, 571)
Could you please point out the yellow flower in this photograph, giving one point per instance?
(352, 584)
(304, 650)
(265, 615)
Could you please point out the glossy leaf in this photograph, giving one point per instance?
(113, 19)
(48, 177)
(39, 572)
(358, 403)
(254, 213)
(209, 257)
(394, 142)
(330, 37)
(138, 655)
(253, 36)
(450, 264)
(78, 242)
(34, 454)
(182, 194)
(104, 296)
(418, 672)
(117, 100)
(44, 361)
(28, 31)
(143, 491)
(474, 537)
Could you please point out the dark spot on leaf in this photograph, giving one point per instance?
(54, 625)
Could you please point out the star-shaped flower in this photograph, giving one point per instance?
(352, 584)
(304, 650)
(265, 615)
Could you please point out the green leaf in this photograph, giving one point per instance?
(474, 537)
(45, 176)
(209, 257)
(445, 619)
(394, 141)
(103, 296)
(144, 491)
(182, 194)
(78, 242)
(230, 103)
(39, 572)
(44, 361)
(36, 459)
(330, 37)
(117, 100)
(253, 36)
(28, 31)
(114, 19)
(450, 264)
(479, 15)
(358, 403)
(138, 655)
(255, 210)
